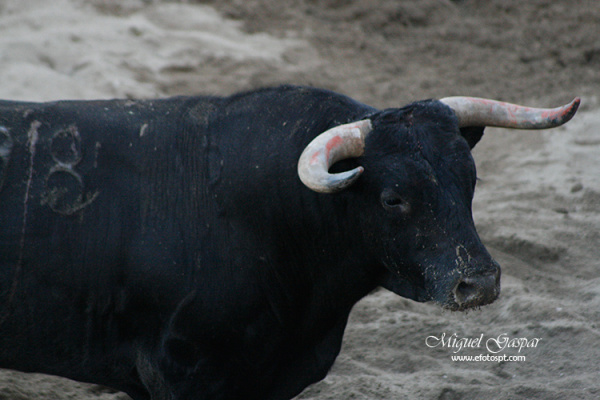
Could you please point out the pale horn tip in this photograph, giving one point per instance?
(570, 110)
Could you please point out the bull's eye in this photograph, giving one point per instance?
(393, 202)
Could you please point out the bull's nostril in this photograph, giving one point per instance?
(477, 290)
(465, 293)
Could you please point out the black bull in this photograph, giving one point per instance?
(168, 248)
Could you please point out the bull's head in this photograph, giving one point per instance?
(417, 187)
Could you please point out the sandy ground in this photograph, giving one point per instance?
(537, 205)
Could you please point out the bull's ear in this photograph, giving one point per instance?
(472, 134)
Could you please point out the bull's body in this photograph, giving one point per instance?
(168, 249)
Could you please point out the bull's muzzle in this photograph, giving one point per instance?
(476, 290)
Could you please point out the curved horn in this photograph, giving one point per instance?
(331, 146)
(472, 111)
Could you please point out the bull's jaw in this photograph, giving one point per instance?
(404, 287)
